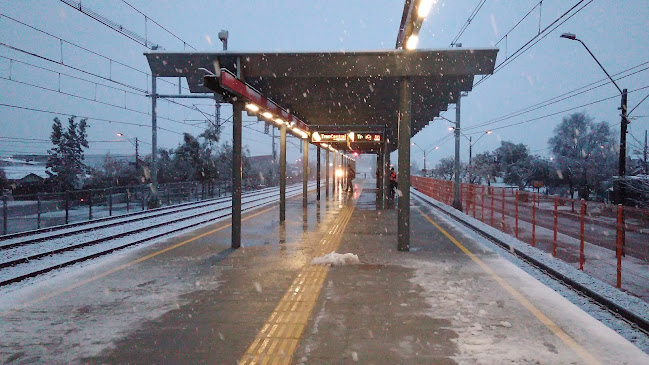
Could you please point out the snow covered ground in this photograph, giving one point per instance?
(553, 289)
(220, 210)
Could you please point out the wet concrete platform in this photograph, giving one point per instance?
(191, 299)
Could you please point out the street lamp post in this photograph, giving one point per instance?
(621, 198)
(424, 151)
(623, 125)
(137, 147)
(470, 138)
(471, 149)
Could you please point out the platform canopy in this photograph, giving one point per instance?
(342, 91)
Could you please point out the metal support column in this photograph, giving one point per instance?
(282, 173)
(327, 173)
(154, 143)
(305, 171)
(457, 202)
(403, 213)
(317, 173)
(335, 160)
(237, 173)
(386, 173)
(379, 179)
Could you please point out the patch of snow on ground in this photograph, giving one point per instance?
(335, 259)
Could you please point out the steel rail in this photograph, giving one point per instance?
(120, 219)
(112, 249)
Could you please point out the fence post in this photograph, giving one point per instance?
(556, 217)
(128, 200)
(618, 244)
(5, 214)
(516, 215)
(503, 206)
(90, 204)
(67, 207)
(473, 192)
(533, 220)
(142, 196)
(581, 235)
(491, 195)
(167, 188)
(38, 211)
(110, 201)
(482, 205)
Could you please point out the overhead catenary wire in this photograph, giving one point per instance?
(537, 38)
(65, 41)
(468, 22)
(110, 24)
(59, 73)
(159, 25)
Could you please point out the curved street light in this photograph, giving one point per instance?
(623, 124)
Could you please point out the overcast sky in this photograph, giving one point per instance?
(617, 32)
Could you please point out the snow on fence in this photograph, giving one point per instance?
(598, 238)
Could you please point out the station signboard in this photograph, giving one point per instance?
(350, 137)
(318, 137)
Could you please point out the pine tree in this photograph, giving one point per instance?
(65, 161)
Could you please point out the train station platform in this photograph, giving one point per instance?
(192, 299)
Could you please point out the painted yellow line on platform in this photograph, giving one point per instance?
(124, 266)
(563, 336)
(279, 336)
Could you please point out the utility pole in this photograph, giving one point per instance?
(274, 152)
(470, 155)
(646, 167)
(137, 156)
(622, 161)
(154, 143)
(457, 203)
(425, 162)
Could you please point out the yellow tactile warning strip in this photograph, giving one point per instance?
(553, 327)
(280, 334)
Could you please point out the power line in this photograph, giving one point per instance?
(468, 22)
(562, 97)
(96, 101)
(71, 67)
(559, 112)
(13, 60)
(42, 140)
(85, 117)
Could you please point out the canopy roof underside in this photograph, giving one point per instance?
(341, 91)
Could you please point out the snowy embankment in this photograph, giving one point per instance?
(632, 308)
(203, 215)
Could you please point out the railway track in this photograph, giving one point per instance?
(604, 304)
(19, 238)
(60, 248)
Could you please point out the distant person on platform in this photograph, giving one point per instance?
(351, 174)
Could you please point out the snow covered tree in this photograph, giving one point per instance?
(65, 160)
(585, 153)
(445, 169)
(3, 179)
(484, 168)
(514, 163)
